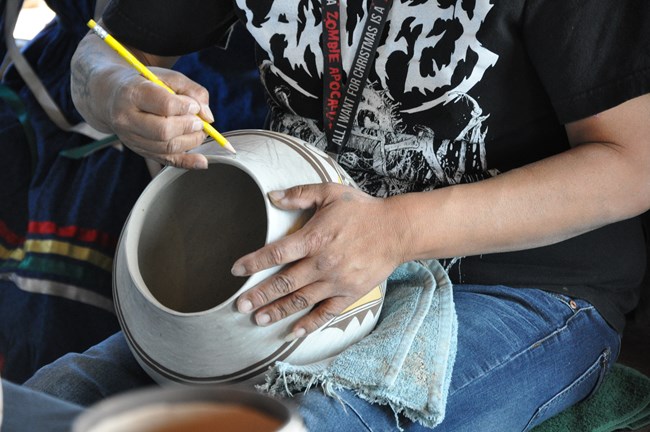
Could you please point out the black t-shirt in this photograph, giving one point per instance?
(459, 91)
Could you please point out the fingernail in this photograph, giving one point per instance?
(202, 164)
(263, 319)
(245, 306)
(209, 117)
(237, 270)
(193, 108)
(276, 195)
(297, 334)
(197, 126)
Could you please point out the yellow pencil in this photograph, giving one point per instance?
(145, 72)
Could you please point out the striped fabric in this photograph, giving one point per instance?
(60, 261)
(60, 218)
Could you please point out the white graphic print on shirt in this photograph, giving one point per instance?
(429, 59)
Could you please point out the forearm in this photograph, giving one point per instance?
(604, 179)
(529, 207)
(97, 71)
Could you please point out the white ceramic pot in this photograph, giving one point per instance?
(173, 291)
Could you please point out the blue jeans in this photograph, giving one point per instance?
(523, 356)
(27, 410)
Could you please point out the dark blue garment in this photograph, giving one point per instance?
(59, 224)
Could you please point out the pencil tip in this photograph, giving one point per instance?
(230, 148)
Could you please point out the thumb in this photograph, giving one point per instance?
(298, 197)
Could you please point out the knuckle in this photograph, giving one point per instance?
(280, 311)
(171, 147)
(169, 106)
(296, 191)
(283, 284)
(197, 138)
(327, 262)
(202, 93)
(119, 123)
(299, 301)
(314, 240)
(131, 93)
(330, 190)
(165, 130)
(120, 120)
(324, 315)
(276, 255)
(295, 303)
(186, 163)
(329, 187)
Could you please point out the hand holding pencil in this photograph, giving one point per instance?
(146, 73)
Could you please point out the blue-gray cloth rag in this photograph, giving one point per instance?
(405, 362)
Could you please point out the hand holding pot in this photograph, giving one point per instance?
(350, 245)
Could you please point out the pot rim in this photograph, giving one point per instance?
(133, 400)
(136, 220)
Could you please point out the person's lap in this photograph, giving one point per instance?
(104, 370)
(523, 355)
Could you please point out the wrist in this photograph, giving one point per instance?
(94, 77)
(400, 232)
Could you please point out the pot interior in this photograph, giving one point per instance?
(194, 230)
